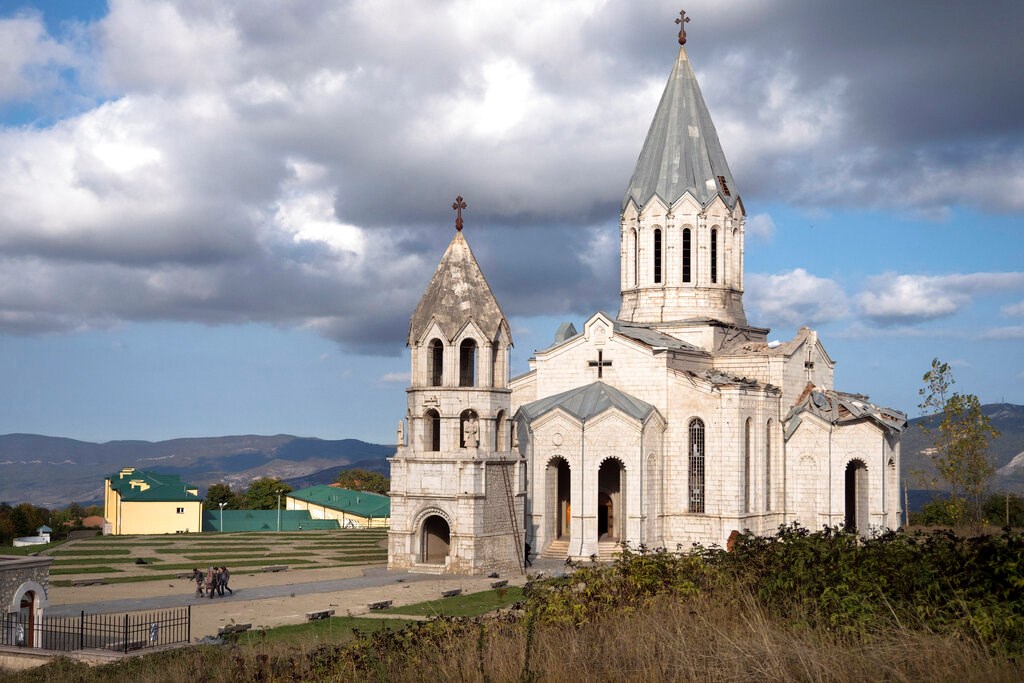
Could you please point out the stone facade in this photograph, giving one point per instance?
(674, 423)
(24, 583)
(457, 487)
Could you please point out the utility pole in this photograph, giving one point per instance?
(222, 504)
(279, 510)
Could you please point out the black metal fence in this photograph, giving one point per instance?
(117, 632)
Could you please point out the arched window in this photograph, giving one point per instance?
(746, 465)
(768, 467)
(636, 257)
(432, 425)
(657, 256)
(686, 255)
(714, 254)
(467, 363)
(500, 440)
(469, 429)
(436, 360)
(696, 457)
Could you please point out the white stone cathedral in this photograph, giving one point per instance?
(674, 423)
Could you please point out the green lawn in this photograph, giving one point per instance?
(81, 570)
(466, 605)
(91, 551)
(120, 559)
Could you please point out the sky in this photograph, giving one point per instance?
(217, 217)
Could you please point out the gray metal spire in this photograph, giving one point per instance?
(681, 151)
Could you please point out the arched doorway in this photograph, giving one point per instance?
(435, 542)
(610, 508)
(856, 496)
(559, 495)
(27, 620)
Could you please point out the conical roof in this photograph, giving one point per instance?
(457, 293)
(682, 151)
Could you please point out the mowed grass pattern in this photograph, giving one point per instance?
(117, 556)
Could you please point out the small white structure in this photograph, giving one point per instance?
(42, 537)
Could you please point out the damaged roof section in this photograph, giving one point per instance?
(457, 293)
(646, 334)
(837, 407)
(720, 378)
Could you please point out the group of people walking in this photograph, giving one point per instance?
(213, 582)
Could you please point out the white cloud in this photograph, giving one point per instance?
(1013, 309)
(30, 60)
(761, 226)
(795, 298)
(892, 299)
(395, 378)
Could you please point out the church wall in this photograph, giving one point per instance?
(817, 455)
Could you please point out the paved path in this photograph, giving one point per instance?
(370, 579)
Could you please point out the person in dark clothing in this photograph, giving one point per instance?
(225, 575)
(197, 578)
(526, 555)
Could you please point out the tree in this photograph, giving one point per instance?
(262, 493)
(222, 493)
(1004, 509)
(960, 439)
(364, 480)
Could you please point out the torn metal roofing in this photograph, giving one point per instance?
(721, 378)
(646, 334)
(682, 152)
(589, 401)
(836, 407)
(457, 293)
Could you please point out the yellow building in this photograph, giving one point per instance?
(360, 509)
(139, 502)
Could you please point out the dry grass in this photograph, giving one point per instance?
(698, 639)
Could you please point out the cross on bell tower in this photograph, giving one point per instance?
(458, 206)
(600, 364)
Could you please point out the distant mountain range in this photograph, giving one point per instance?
(1007, 450)
(53, 471)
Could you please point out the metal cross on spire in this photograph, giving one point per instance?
(459, 205)
(683, 20)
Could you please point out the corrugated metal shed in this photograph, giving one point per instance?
(360, 503)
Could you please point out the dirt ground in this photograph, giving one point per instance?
(209, 615)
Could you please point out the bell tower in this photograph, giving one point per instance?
(457, 487)
(682, 220)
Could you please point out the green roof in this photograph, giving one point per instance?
(361, 503)
(264, 520)
(162, 487)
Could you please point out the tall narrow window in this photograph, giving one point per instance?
(500, 440)
(436, 360)
(657, 256)
(714, 255)
(746, 466)
(432, 424)
(696, 474)
(768, 467)
(636, 257)
(686, 255)
(467, 363)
